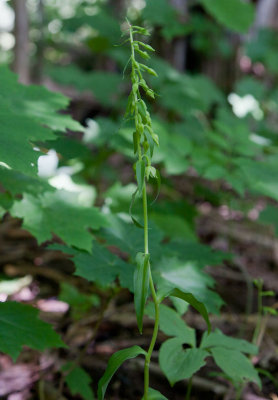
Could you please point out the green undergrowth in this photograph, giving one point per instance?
(139, 234)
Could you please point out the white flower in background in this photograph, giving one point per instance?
(61, 179)
(47, 165)
(245, 105)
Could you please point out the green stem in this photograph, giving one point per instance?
(135, 73)
(238, 393)
(260, 315)
(153, 340)
(189, 388)
(145, 212)
(154, 296)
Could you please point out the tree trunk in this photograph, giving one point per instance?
(21, 50)
(38, 70)
(267, 14)
(179, 44)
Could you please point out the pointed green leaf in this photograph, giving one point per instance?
(140, 175)
(238, 367)
(16, 183)
(155, 395)
(178, 364)
(114, 363)
(218, 339)
(136, 223)
(20, 326)
(237, 15)
(101, 267)
(104, 85)
(78, 381)
(189, 298)
(27, 115)
(58, 213)
(171, 323)
(141, 286)
(129, 239)
(189, 278)
(269, 216)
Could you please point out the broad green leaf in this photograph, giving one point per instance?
(140, 174)
(262, 49)
(100, 131)
(141, 286)
(251, 85)
(17, 131)
(173, 226)
(189, 298)
(161, 13)
(173, 148)
(186, 94)
(261, 176)
(78, 381)
(105, 24)
(171, 323)
(180, 305)
(269, 216)
(238, 367)
(155, 395)
(189, 278)
(218, 339)
(71, 295)
(6, 201)
(197, 253)
(129, 239)
(27, 113)
(36, 102)
(2, 211)
(178, 364)
(101, 267)
(114, 363)
(16, 183)
(56, 213)
(20, 326)
(70, 148)
(104, 85)
(236, 15)
(78, 301)
(119, 197)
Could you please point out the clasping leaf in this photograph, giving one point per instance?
(114, 363)
(141, 286)
(189, 298)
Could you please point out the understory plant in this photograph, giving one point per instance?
(169, 263)
(176, 363)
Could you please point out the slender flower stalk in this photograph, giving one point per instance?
(144, 140)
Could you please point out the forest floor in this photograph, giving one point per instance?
(98, 333)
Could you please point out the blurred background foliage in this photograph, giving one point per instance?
(216, 115)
